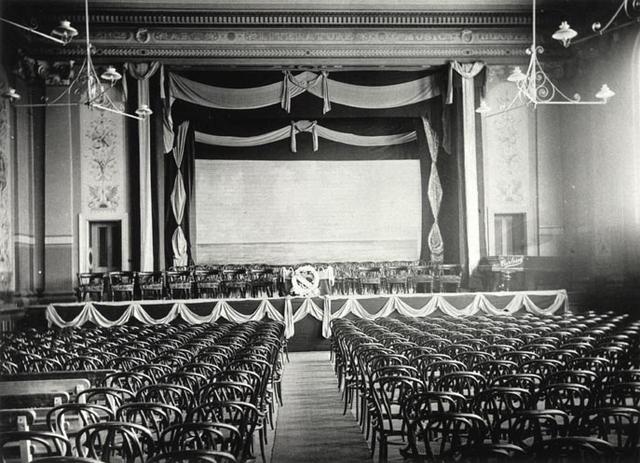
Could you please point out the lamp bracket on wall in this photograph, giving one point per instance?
(535, 87)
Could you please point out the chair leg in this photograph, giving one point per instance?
(347, 398)
(262, 452)
(382, 455)
(373, 443)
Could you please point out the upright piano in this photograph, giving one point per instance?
(520, 273)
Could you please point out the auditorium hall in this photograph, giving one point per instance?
(342, 231)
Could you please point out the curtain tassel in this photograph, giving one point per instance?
(325, 93)
(285, 99)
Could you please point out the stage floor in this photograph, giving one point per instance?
(307, 320)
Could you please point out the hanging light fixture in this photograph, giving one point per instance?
(111, 75)
(630, 8)
(483, 108)
(64, 31)
(87, 80)
(535, 87)
(517, 75)
(564, 34)
(11, 95)
(62, 34)
(144, 111)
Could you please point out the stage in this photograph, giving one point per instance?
(307, 320)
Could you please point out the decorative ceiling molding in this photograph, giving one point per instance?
(195, 44)
(242, 37)
(308, 19)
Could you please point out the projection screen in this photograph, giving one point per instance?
(290, 212)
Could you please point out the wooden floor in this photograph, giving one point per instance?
(310, 425)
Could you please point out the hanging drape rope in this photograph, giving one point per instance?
(434, 194)
(179, 199)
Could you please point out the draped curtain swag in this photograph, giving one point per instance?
(434, 194)
(142, 72)
(311, 127)
(454, 305)
(179, 199)
(320, 85)
(468, 71)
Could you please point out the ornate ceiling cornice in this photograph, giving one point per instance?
(412, 38)
(309, 19)
(192, 45)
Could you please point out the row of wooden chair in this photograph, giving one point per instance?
(413, 382)
(241, 281)
(172, 284)
(167, 389)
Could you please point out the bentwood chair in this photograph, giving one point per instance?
(193, 456)
(573, 449)
(115, 441)
(66, 459)
(200, 436)
(41, 444)
(620, 426)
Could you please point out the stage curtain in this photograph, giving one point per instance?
(434, 193)
(312, 127)
(468, 71)
(179, 174)
(358, 96)
(142, 72)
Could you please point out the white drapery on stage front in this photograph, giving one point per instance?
(453, 304)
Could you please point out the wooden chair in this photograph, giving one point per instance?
(369, 280)
(449, 277)
(397, 279)
(207, 282)
(422, 279)
(90, 285)
(121, 285)
(262, 282)
(179, 284)
(30, 444)
(235, 282)
(151, 285)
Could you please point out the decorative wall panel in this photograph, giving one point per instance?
(507, 163)
(102, 162)
(6, 228)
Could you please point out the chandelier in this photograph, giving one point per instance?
(92, 87)
(535, 87)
